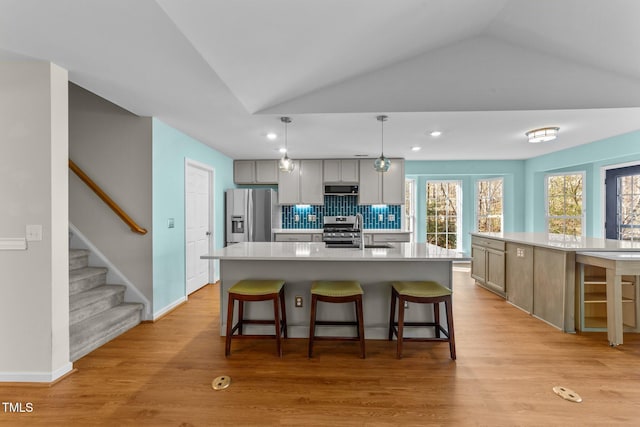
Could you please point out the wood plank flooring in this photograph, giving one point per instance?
(160, 374)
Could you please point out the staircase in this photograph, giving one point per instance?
(97, 311)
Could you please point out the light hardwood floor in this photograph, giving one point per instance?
(160, 374)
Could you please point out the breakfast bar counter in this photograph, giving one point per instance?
(300, 263)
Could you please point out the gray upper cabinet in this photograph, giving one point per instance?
(266, 171)
(303, 185)
(255, 171)
(341, 171)
(381, 188)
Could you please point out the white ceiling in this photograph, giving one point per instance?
(225, 71)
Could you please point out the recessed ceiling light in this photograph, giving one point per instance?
(416, 148)
(542, 134)
(361, 155)
(272, 136)
(283, 150)
(435, 133)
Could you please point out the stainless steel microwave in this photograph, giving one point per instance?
(340, 190)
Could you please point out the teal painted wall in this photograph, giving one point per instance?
(512, 171)
(590, 158)
(170, 149)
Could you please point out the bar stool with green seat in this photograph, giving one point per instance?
(425, 292)
(344, 291)
(256, 290)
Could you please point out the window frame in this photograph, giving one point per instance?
(459, 210)
(477, 200)
(583, 216)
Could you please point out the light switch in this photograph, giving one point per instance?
(171, 223)
(380, 217)
(34, 233)
(296, 217)
(311, 217)
(392, 217)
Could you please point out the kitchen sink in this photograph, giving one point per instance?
(379, 246)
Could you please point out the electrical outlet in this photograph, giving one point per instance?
(380, 217)
(34, 233)
(296, 218)
(406, 304)
(298, 301)
(311, 217)
(392, 217)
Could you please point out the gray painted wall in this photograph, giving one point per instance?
(34, 283)
(113, 147)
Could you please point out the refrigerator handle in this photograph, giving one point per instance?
(250, 216)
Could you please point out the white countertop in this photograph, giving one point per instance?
(616, 256)
(565, 243)
(307, 251)
(319, 230)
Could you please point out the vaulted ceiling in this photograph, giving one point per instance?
(225, 71)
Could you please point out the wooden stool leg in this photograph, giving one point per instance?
(360, 320)
(436, 317)
(392, 317)
(276, 315)
(227, 342)
(312, 323)
(284, 312)
(400, 326)
(452, 341)
(240, 316)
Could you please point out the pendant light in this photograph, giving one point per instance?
(382, 163)
(286, 164)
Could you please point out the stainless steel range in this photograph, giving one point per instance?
(342, 231)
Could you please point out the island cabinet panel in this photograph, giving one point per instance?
(554, 287)
(488, 264)
(519, 275)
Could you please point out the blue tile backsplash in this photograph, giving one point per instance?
(341, 205)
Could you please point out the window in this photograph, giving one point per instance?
(409, 206)
(565, 204)
(489, 205)
(444, 208)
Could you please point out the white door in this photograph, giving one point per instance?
(198, 223)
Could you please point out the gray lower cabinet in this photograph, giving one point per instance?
(488, 264)
(519, 275)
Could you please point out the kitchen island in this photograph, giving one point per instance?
(299, 263)
(543, 274)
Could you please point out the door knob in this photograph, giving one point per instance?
(208, 233)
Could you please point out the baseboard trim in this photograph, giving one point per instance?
(38, 378)
(168, 309)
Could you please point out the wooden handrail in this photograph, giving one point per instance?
(105, 198)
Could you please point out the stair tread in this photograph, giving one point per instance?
(81, 299)
(85, 272)
(77, 253)
(107, 317)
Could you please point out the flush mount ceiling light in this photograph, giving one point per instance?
(286, 164)
(382, 163)
(542, 134)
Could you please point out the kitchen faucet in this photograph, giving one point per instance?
(359, 226)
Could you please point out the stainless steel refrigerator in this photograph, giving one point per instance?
(251, 215)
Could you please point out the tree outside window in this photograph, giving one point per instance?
(489, 205)
(629, 207)
(565, 204)
(444, 201)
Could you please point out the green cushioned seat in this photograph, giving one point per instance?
(342, 288)
(421, 289)
(257, 287)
